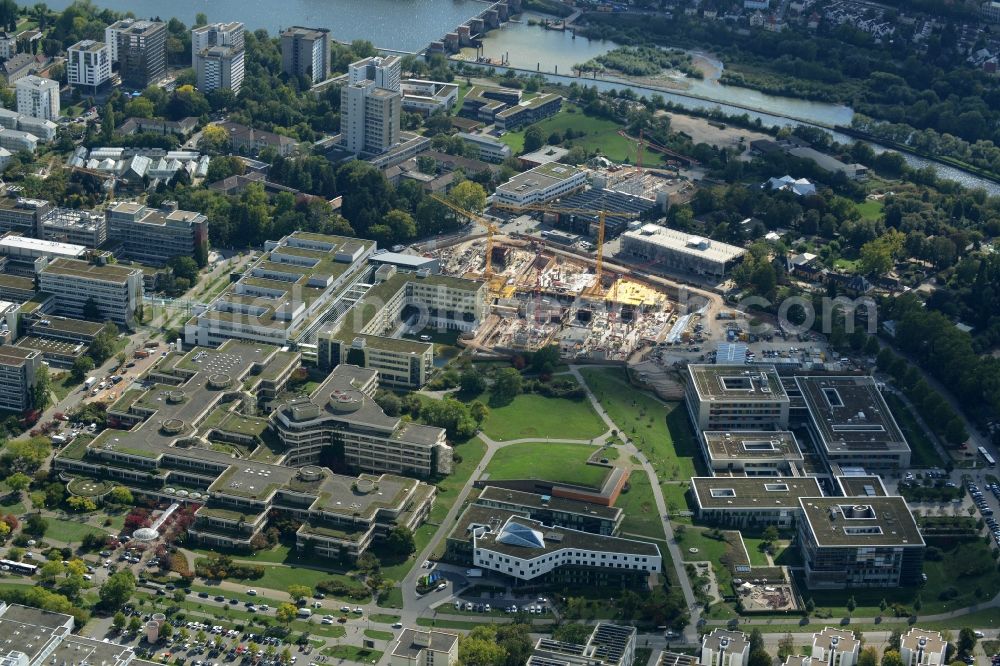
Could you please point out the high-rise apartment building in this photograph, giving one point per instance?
(370, 105)
(18, 368)
(217, 55)
(38, 97)
(88, 63)
(141, 49)
(306, 52)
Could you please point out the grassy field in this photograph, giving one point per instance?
(561, 463)
(534, 415)
(278, 577)
(600, 134)
(379, 635)
(870, 210)
(660, 430)
(675, 497)
(353, 653)
(757, 556)
(641, 516)
(384, 618)
(924, 453)
(69, 531)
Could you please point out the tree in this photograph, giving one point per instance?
(166, 631)
(868, 656)
(40, 391)
(134, 624)
(36, 525)
(760, 658)
(285, 613)
(117, 589)
(480, 648)
(534, 139)
(18, 482)
(400, 541)
(214, 140)
(892, 658)
(851, 604)
(770, 535)
(877, 256)
(121, 495)
(966, 641)
(298, 592)
(82, 365)
(119, 620)
(471, 382)
(81, 504)
(786, 647)
(479, 411)
(185, 268)
(468, 195)
(91, 310)
(507, 385)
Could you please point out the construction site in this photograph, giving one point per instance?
(545, 294)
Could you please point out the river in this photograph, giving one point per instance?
(401, 25)
(535, 49)
(410, 25)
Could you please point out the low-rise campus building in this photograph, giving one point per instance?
(735, 397)
(160, 444)
(114, 291)
(747, 501)
(155, 236)
(859, 542)
(540, 184)
(751, 453)
(608, 645)
(420, 647)
(681, 251)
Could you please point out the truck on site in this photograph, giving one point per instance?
(90, 381)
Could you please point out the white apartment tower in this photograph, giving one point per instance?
(38, 97)
(88, 63)
(370, 105)
(217, 55)
(306, 52)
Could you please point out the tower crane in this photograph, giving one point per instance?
(597, 289)
(491, 229)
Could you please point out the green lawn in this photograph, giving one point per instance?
(757, 557)
(641, 516)
(384, 618)
(660, 430)
(534, 415)
(923, 452)
(870, 210)
(353, 653)
(277, 577)
(559, 463)
(600, 134)
(379, 635)
(69, 531)
(675, 497)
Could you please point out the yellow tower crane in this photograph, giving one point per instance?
(491, 228)
(597, 289)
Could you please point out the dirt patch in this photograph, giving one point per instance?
(701, 131)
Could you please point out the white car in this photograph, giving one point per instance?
(326, 621)
(345, 609)
(252, 593)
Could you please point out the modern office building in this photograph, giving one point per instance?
(28, 256)
(217, 55)
(681, 251)
(341, 416)
(38, 97)
(155, 236)
(368, 335)
(527, 112)
(751, 502)
(306, 52)
(141, 52)
(21, 214)
(159, 441)
(424, 647)
(77, 227)
(735, 397)
(15, 141)
(920, 647)
(540, 184)
(725, 648)
(483, 103)
(281, 296)
(608, 645)
(370, 105)
(427, 97)
(490, 149)
(529, 552)
(552, 510)
(18, 369)
(115, 290)
(88, 64)
(851, 423)
(751, 453)
(849, 542)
